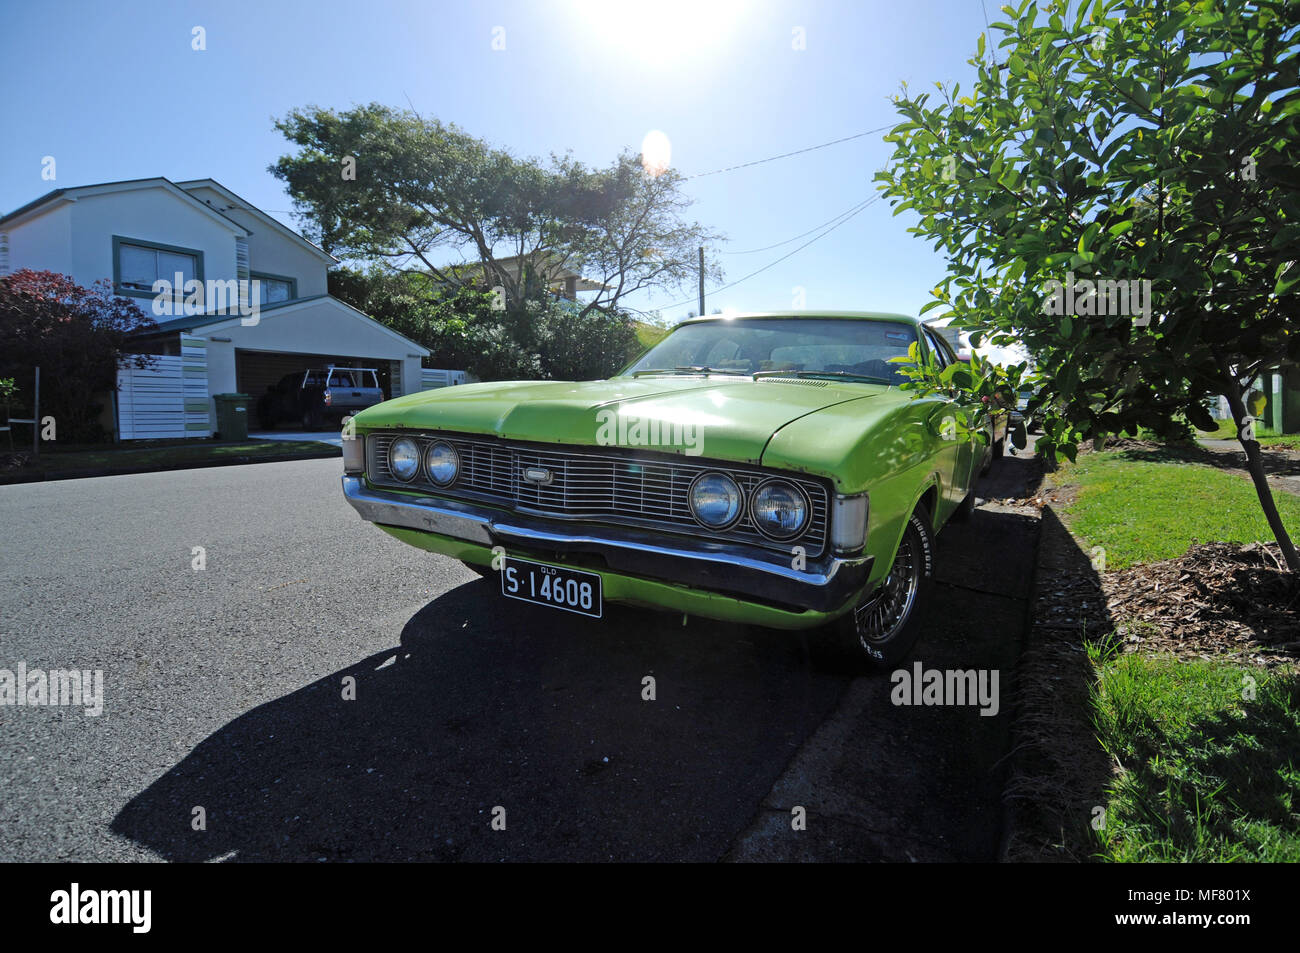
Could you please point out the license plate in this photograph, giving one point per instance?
(556, 586)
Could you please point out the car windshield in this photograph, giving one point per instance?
(830, 347)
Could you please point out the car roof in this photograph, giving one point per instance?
(810, 315)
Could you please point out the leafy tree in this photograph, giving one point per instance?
(581, 343)
(75, 335)
(8, 390)
(543, 337)
(380, 184)
(1126, 141)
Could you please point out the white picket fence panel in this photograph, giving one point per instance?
(433, 378)
(169, 400)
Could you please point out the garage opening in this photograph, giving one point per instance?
(255, 371)
(258, 371)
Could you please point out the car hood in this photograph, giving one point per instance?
(713, 417)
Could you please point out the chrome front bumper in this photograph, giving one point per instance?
(769, 578)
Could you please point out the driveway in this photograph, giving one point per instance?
(321, 691)
(332, 437)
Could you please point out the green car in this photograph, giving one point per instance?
(760, 468)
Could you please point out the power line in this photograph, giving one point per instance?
(752, 251)
(778, 261)
(786, 155)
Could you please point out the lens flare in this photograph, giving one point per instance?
(656, 153)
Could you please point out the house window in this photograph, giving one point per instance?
(274, 288)
(138, 264)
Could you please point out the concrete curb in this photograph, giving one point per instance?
(51, 475)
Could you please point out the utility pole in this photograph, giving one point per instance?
(701, 281)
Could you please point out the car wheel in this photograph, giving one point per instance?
(311, 419)
(883, 627)
(265, 419)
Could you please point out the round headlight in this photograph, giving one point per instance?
(404, 459)
(716, 500)
(779, 509)
(441, 462)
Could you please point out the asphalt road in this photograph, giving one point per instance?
(224, 690)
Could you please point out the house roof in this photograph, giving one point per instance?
(38, 206)
(188, 322)
(214, 321)
(553, 272)
(244, 205)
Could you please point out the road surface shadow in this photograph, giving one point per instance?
(491, 703)
(890, 779)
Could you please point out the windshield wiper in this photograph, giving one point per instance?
(692, 369)
(837, 374)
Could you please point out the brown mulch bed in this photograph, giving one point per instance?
(1120, 444)
(1218, 599)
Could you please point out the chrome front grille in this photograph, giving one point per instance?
(605, 485)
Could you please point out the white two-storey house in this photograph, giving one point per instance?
(143, 231)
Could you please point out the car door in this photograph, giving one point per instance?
(959, 454)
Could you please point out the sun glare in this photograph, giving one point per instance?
(656, 153)
(659, 31)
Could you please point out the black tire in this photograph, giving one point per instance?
(880, 631)
(311, 419)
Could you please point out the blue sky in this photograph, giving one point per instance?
(115, 91)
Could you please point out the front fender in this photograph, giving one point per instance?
(888, 449)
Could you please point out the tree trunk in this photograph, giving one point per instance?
(1255, 464)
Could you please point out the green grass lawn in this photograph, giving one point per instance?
(1209, 758)
(163, 454)
(1142, 510)
(1207, 749)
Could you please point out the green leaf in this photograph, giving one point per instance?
(1287, 276)
(1019, 436)
(1200, 417)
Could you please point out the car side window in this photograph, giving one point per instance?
(946, 346)
(940, 355)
